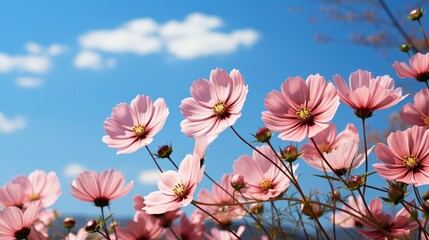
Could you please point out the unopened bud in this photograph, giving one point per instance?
(405, 47)
(257, 208)
(312, 210)
(354, 182)
(290, 153)
(91, 226)
(335, 196)
(415, 14)
(69, 223)
(237, 182)
(425, 196)
(396, 192)
(165, 151)
(263, 135)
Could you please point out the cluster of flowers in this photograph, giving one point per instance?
(302, 110)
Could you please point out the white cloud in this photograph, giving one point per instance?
(73, 169)
(33, 48)
(28, 63)
(51, 50)
(194, 37)
(55, 49)
(93, 60)
(11, 125)
(29, 82)
(149, 177)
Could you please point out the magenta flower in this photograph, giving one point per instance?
(366, 93)
(144, 227)
(176, 188)
(328, 140)
(417, 113)
(418, 69)
(223, 208)
(302, 109)
(398, 227)
(406, 158)
(132, 127)
(16, 223)
(215, 104)
(263, 179)
(100, 188)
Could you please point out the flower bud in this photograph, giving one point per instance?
(256, 208)
(405, 47)
(425, 196)
(237, 182)
(263, 135)
(69, 223)
(335, 196)
(396, 192)
(114, 225)
(415, 14)
(164, 151)
(354, 182)
(311, 210)
(91, 226)
(290, 153)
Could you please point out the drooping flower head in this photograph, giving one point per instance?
(302, 109)
(176, 189)
(406, 156)
(418, 69)
(16, 223)
(223, 208)
(263, 179)
(215, 104)
(368, 94)
(397, 227)
(132, 127)
(417, 113)
(91, 186)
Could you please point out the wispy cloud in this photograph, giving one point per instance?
(29, 82)
(93, 60)
(24, 63)
(196, 36)
(149, 177)
(10, 125)
(73, 169)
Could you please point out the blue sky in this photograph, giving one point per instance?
(64, 66)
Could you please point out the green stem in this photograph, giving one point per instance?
(154, 160)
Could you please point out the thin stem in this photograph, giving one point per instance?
(171, 160)
(302, 224)
(273, 206)
(113, 221)
(217, 220)
(154, 160)
(104, 223)
(169, 227)
(366, 155)
(418, 222)
(424, 34)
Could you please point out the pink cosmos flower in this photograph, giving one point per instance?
(302, 109)
(417, 113)
(216, 234)
(191, 228)
(16, 223)
(80, 235)
(406, 158)
(176, 188)
(91, 186)
(328, 140)
(215, 104)
(165, 219)
(366, 93)
(132, 127)
(263, 179)
(225, 210)
(418, 69)
(144, 227)
(343, 219)
(398, 227)
(43, 187)
(44, 221)
(12, 194)
(201, 144)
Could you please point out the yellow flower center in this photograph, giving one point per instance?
(219, 109)
(33, 197)
(410, 162)
(304, 114)
(266, 184)
(426, 121)
(325, 148)
(139, 131)
(384, 223)
(179, 190)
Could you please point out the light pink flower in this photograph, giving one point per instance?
(345, 220)
(16, 223)
(418, 69)
(263, 179)
(80, 235)
(12, 194)
(406, 158)
(417, 113)
(366, 93)
(43, 187)
(215, 104)
(144, 227)
(302, 109)
(201, 144)
(91, 186)
(165, 219)
(216, 234)
(44, 221)
(398, 227)
(132, 127)
(187, 229)
(328, 140)
(176, 188)
(224, 209)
